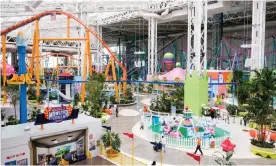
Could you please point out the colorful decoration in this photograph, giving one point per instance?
(168, 61)
(58, 113)
(178, 64)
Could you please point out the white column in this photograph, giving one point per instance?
(197, 35)
(258, 34)
(152, 46)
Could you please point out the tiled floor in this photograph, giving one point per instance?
(98, 160)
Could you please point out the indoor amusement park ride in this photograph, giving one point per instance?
(23, 78)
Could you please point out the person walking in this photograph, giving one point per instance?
(163, 141)
(198, 147)
(141, 125)
(244, 120)
(116, 110)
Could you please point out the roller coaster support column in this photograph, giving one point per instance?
(137, 95)
(37, 59)
(196, 84)
(21, 49)
(88, 53)
(84, 73)
(4, 64)
(258, 34)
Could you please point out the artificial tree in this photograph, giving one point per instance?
(111, 140)
(260, 103)
(13, 95)
(32, 116)
(94, 88)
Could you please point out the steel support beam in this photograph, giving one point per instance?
(152, 46)
(258, 35)
(197, 36)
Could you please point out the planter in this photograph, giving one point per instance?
(262, 149)
(273, 131)
(124, 105)
(112, 153)
(264, 152)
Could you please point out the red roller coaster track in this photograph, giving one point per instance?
(58, 12)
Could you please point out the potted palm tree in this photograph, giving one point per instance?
(260, 104)
(112, 143)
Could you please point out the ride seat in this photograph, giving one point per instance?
(28, 77)
(17, 79)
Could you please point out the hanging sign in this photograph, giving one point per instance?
(56, 114)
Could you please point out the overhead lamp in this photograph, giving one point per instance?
(246, 46)
(55, 141)
(139, 52)
(69, 137)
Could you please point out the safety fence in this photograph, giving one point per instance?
(188, 142)
(120, 158)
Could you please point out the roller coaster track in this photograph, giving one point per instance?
(58, 12)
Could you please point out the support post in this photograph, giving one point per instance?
(161, 157)
(37, 63)
(68, 27)
(152, 47)
(84, 74)
(88, 53)
(132, 151)
(33, 54)
(258, 34)
(4, 64)
(21, 44)
(196, 84)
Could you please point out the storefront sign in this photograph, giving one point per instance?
(15, 155)
(56, 115)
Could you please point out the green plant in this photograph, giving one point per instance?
(103, 120)
(94, 99)
(76, 100)
(31, 92)
(12, 120)
(262, 144)
(242, 87)
(112, 99)
(111, 139)
(149, 88)
(13, 95)
(260, 103)
(32, 116)
(40, 99)
(232, 109)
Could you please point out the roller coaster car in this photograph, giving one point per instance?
(17, 79)
(28, 78)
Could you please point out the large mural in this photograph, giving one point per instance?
(219, 76)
